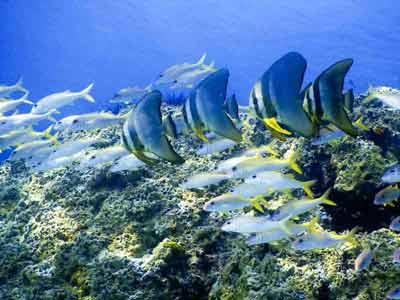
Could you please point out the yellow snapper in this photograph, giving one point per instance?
(229, 202)
(279, 234)
(203, 179)
(275, 181)
(298, 207)
(250, 224)
(364, 259)
(318, 240)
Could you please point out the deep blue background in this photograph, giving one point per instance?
(66, 44)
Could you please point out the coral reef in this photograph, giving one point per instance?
(93, 235)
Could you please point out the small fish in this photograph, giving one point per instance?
(27, 151)
(252, 165)
(229, 202)
(393, 293)
(324, 239)
(170, 75)
(298, 207)
(278, 234)
(326, 135)
(130, 94)
(126, 163)
(72, 147)
(392, 174)
(276, 181)
(395, 224)
(54, 101)
(364, 259)
(387, 195)
(216, 146)
(23, 136)
(388, 96)
(250, 224)
(396, 256)
(7, 90)
(10, 105)
(88, 121)
(263, 151)
(191, 78)
(57, 163)
(203, 179)
(11, 123)
(100, 157)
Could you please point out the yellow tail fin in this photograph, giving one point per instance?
(369, 98)
(257, 203)
(307, 187)
(324, 198)
(49, 136)
(291, 159)
(273, 123)
(311, 226)
(349, 237)
(359, 123)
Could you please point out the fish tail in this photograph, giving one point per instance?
(359, 123)
(284, 225)
(49, 136)
(324, 198)
(271, 150)
(369, 98)
(312, 224)
(307, 187)
(50, 117)
(350, 237)
(85, 93)
(19, 85)
(258, 202)
(291, 159)
(273, 123)
(202, 59)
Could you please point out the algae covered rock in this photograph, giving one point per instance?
(136, 235)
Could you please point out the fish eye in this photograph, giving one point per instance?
(231, 191)
(234, 168)
(59, 122)
(175, 81)
(264, 154)
(300, 240)
(75, 121)
(54, 150)
(391, 171)
(35, 105)
(212, 203)
(229, 223)
(30, 157)
(254, 176)
(93, 157)
(3, 122)
(161, 75)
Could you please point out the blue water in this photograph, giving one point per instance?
(58, 45)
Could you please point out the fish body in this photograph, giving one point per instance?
(393, 293)
(88, 121)
(14, 122)
(126, 163)
(56, 163)
(143, 131)
(202, 180)
(318, 240)
(364, 259)
(226, 202)
(23, 136)
(392, 174)
(130, 94)
(285, 80)
(72, 147)
(28, 151)
(396, 256)
(249, 190)
(298, 207)
(250, 224)
(169, 76)
(191, 78)
(99, 157)
(10, 105)
(325, 136)
(387, 195)
(57, 100)
(395, 224)
(216, 146)
(388, 96)
(7, 90)
(209, 98)
(328, 93)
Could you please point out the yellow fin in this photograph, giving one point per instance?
(349, 237)
(257, 203)
(312, 225)
(292, 162)
(369, 98)
(273, 123)
(324, 198)
(201, 135)
(359, 123)
(307, 187)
